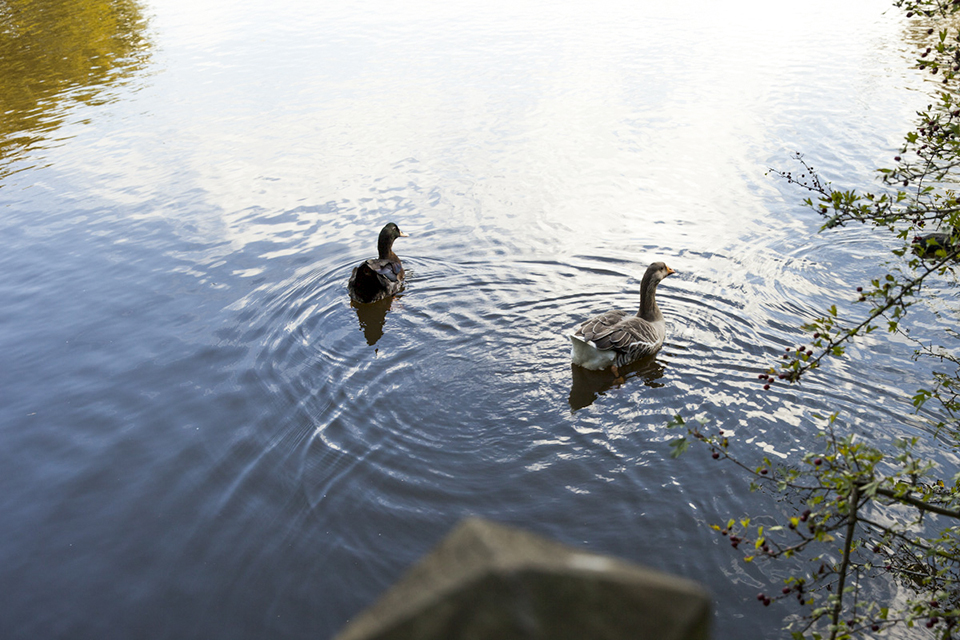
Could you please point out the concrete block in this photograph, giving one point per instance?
(486, 581)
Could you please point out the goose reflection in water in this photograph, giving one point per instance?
(372, 316)
(587, 384)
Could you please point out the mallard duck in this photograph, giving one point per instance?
(379, 278)
(616, 338)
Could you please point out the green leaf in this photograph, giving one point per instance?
(679, 446)
(870, 488)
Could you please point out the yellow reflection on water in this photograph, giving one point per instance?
(55, 53)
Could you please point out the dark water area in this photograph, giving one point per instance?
(200, 436)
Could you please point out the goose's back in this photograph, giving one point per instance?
(629, 336)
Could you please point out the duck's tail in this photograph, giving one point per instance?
(365, 285)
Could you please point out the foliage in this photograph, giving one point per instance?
(869, 515)
(53, 53)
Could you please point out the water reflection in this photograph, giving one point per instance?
(587, 385)
(372, 317)
(54, 54)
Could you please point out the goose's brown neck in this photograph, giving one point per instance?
(649, 310)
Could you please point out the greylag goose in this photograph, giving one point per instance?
(379, 278)
(616, 338)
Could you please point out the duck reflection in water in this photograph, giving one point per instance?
(372, 316)
(588, 384)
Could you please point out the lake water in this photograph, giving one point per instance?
(200, 437)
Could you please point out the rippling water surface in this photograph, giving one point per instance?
(201, 437)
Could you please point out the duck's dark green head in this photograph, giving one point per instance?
(388, 234)
(393, 231)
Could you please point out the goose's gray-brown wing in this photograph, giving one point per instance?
(618, 331)
(599, 326)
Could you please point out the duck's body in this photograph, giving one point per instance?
(380, 277)
(616, 338)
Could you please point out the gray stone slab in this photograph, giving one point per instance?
(486, 581)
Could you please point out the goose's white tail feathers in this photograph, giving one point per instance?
(586, 354)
